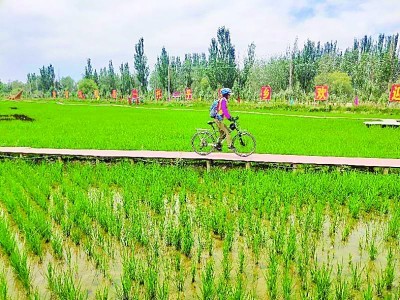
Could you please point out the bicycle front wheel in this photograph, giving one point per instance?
(203, 142)
(244, 143)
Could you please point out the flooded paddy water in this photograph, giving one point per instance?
(135, 231)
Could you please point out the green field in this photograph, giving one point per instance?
(162, 127)
(145, 231)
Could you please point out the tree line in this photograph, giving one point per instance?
(367, 69)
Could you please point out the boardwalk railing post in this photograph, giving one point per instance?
(385, 171)
(248, 165)
(208, 164)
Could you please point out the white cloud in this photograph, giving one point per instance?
(67, 32)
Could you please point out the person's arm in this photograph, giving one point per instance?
(225, 109)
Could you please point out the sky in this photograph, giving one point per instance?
(65, 33)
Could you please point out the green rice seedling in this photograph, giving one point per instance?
(210, 245)
(372, 250)
(241, 260)
(199, 249)
(19, 261)
(241, 224)
(126, 287)
(291, 244)
(287, 284)
(346, 232)
(193, 271)
(368, 292)
(356, 275)
(62, 284)
(272, 276)
(163, 291)
(151, 281)
(102, 294)
(389, 272)
(56, 244)
(380, 284)
(238, 291)
(354, 205)
(226, 264)
(3, 286)
(180, 280)
(207, 278)
(322, 278)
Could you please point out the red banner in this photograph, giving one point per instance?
(114, 94)
(188, 94)
(394, 93)
(80, 95)
(135, 94)
(158, 94)
(266, 93)
(321, 93)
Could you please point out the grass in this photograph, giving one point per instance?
(170, 128)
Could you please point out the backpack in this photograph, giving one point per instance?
(214, 109)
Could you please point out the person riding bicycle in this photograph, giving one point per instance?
(223, 113)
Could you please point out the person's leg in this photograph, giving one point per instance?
(224, 133)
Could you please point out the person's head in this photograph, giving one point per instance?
(226, 92)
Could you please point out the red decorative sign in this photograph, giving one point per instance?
(158, 94)
(266, 93)
(80, 95)
(114, 94)
(188, 94)
(394, 93)
(321, 93)
(176, 94)
(135, 94)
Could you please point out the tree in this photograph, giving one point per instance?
(126, 79)
(89, 70)
(140, 64)
(67, 84)
(222, 65)
(248, 64)
(87, 86)
(187, 71)
(162, 69)
(47, 78)
(339, 83)
(112, 78)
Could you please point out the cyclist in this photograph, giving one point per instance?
(223, 113)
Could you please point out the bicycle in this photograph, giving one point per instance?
(204, 141)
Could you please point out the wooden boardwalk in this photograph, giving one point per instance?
(225, 157)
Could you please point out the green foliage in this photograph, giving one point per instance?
(141, 67)
(339, 84)
(221, 69)
(87, 86)
(68, 84)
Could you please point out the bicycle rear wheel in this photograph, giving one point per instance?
(244, 143)
(203, 142)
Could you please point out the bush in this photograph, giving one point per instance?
(87, 86)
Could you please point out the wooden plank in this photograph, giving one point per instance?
(261, 158)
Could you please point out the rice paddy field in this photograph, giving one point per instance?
(152, 127)
(132, 230)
